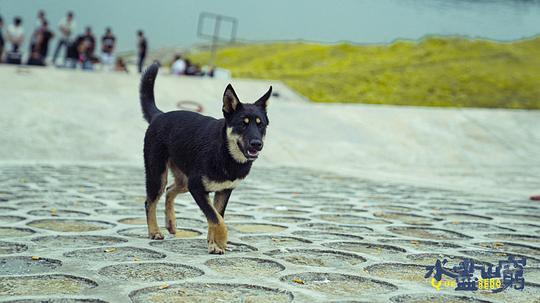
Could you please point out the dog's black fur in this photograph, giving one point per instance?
(205, 154)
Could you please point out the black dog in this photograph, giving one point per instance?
(204, 155)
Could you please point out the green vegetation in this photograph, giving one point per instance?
(455, 72)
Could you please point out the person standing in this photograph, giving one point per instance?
(142, 47)
(37, 29)
(108, 42)
(46, 36)
(2, 41)
(40, 19)
(67, 27)
(15, 34)
(40, 44)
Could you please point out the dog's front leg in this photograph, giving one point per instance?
(221, 198)
(217, 231)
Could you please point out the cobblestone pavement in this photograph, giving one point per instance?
(77, 234)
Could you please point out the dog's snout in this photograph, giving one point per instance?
(256, 143)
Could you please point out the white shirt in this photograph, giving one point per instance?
(70, 26)
(15, 34)
(178, 67)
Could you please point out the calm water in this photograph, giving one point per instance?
(174, 22)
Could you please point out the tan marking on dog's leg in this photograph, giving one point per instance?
(151, 221)
(217, 234)
(170, 216)
(151, 216)
(220, 201)
(217, 237)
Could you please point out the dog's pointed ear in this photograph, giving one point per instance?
(263, 101)
(230, 100)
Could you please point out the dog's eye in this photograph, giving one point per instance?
(246, 120)
(258, 121)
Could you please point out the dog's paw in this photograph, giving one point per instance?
(156, 236)
(171, 227)
(213, 248)
(217, 238)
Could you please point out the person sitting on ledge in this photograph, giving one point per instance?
(178, 66)
(15, 36)
(192, 69)
(120, 65)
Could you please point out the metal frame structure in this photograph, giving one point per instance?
(215, 37)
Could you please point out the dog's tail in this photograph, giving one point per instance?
(146, 90)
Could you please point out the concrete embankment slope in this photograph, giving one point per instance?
(50, 115)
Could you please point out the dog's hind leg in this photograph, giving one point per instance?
(179, 187)
(151, 205)
(156, 180)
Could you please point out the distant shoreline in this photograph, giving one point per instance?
(196, 47)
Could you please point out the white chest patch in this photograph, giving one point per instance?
(213, 186)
